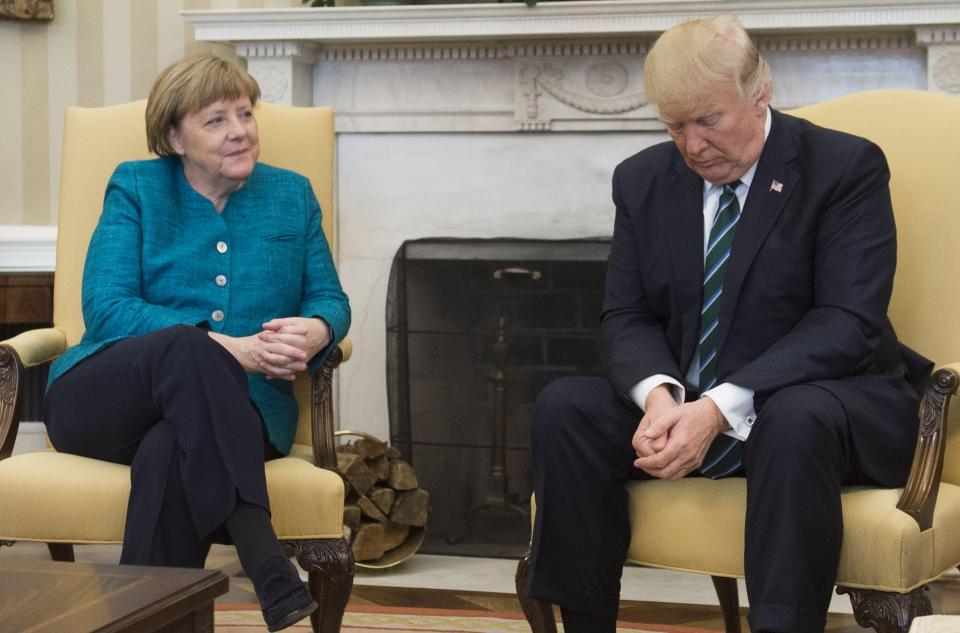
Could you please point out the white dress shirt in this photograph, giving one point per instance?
(735, 402)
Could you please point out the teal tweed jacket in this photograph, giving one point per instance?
(161, 255)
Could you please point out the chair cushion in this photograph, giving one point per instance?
(306, 501)
(56, 497)
(883, 548)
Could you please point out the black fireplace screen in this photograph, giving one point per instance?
(475, 329)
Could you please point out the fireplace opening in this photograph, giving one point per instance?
(475, 329)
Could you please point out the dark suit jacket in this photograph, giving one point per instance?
(806, 288)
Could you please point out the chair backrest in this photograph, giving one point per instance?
(96, 140)
(919, 132)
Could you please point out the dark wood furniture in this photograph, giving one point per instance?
(26, 302)
(48, 597)
(26, 298)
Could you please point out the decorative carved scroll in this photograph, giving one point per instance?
(10, 371)
(887, 612)
(920, 493)
(946, 72)
(273, 80)
(322, 420)
(588, 92)
(330, 566)
(605, 80)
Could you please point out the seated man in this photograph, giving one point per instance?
(744, 333)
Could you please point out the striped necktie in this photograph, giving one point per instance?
(723, 456)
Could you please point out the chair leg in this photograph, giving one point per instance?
(330, 566)
(886, 611)
(539, 614)
(729, 602)
(62, 552)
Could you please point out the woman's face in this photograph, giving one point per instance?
(219, 144)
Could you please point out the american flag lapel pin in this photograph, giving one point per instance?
(777, 186)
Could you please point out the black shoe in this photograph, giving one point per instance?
(576, 622)
(290, 610)
(283, 598)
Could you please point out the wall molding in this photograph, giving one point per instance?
(28, 248)
(938, 36)
(432, 51)
(860, 41)
(286, 50)
(484, 21)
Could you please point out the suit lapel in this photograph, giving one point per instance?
(773, 183)
(684, 222)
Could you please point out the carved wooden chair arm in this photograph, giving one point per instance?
(34, 347)
(919, 496)
(23, 350)
(11, 370)
(324, 447)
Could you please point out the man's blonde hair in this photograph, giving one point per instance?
(693, 59)
(188, 86)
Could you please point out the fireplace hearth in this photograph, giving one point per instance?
(475, 329)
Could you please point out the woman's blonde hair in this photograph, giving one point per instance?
(694, 58)
(187, 86)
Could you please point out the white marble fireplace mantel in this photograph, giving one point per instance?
(484, 21)
(497, 120)
(296, 53)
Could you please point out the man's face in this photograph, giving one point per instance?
(721, 136)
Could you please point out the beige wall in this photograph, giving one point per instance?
(95, 52)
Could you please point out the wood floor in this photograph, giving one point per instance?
(944, 594)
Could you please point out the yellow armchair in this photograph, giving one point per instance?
(894, 541)
(62, 499)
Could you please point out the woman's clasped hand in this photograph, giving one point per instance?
(282, 349)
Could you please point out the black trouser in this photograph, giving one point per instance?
(798, 454)
(174, 405)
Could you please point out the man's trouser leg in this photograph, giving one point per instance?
(582, 456)
(806, 442)
(796, 459)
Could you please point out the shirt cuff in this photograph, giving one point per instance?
(736, 405)
(639, 392)
(314, 363)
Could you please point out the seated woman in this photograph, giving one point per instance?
(207, 286)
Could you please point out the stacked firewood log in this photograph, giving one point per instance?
(384, 502)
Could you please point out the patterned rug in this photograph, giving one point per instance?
(376, 619)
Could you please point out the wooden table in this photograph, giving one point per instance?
(48, 597)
